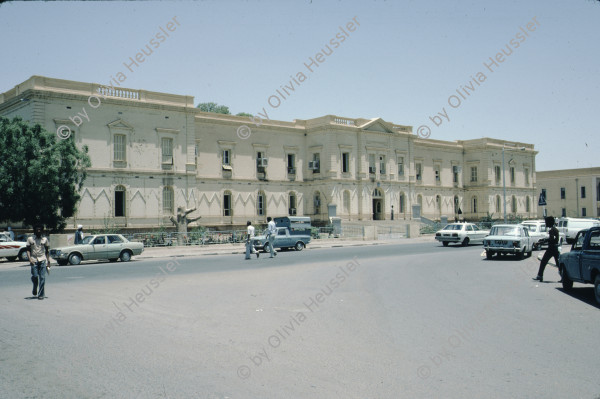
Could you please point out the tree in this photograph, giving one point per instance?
(182, 222)
(243, 114)
(214, 107)
(40, 175)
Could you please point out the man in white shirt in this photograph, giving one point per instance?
(271, 233)
(250, 241)
(38, 251)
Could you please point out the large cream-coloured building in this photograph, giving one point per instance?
(571, 192)
(153, 152)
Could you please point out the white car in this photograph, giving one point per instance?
(508, 239)
(539, 232)
(13, 250)
(462, 233)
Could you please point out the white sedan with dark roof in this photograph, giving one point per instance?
(461, 233)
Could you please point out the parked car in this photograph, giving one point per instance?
(582, 264)
(463, 233)
(283, 239)
(13, 250)
(102, 246)
(571, 226)
(508, 239)
(539, 232)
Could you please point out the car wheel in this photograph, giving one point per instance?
(445, 243)
(597, 288)
(75, 259)
(267, 247)
(521, 254)
(529, 253)
(567, 283)
(465, 242)
(62, 262)
(125, 256)
(489, 254)
(23, 256)
(299, 246)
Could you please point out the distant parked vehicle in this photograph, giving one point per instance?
(539, 232)
(582, 264)
(103, 246)
(461, 233)
(571, 226)
(508, 239)
(13, 250)
(283, 239)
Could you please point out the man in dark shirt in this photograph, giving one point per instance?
(552, 251)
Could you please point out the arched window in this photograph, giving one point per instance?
(420, 201)
(456, 203)
(402, 203)
(346, 200)
(292, 203)
(261, 204)
(513, 204)
(317, 202)
(498, 204)
(168, 198)
(474, 205)
(227, 204)
(528, 205)
(120, 195)
(438, 203)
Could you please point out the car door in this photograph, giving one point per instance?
(477, 234)
(574, 264)
(114, 246)
(282, 239)
(99, 248)
(527, 239)
(590, 258)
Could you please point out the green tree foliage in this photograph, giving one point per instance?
(214, 107)
(243, 114)
(40, 175)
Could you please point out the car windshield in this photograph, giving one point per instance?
(531, 227)
(505, 231)
(453, 227)
(87, 239)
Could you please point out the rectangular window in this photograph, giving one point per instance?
(168, 201)
(418, 170)
(498, 174)
(401, 166)
(119, 203)
(167, 151)
(317, 163)
(512, 175)
(260, 164)
(455, 174)
(260, 204)
(563, 193)
(372, 164)
(527, 176)
(291, 164)
(564, 212)
(119, 147)
(583, 212)
(345, 162)
(473, 174)
(226, 157)
(582, 192)
(382, 164)
(437, 173)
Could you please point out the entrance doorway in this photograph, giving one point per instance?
(378, 213)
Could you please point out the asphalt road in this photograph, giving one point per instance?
(392, 321)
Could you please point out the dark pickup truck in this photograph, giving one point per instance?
(582, 264)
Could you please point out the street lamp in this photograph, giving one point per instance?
(504, 178)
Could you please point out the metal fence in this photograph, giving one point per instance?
(164, 239)
(390, 232)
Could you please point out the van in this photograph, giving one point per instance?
(571, 226)
(297, 225)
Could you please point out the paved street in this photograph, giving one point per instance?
(408, 320)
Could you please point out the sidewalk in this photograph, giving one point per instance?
(240, 248)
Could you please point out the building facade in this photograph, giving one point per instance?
(570, 192)
(153, 152)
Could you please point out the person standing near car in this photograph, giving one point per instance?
(250, 241)
(38, 252)
(552, 250)
(11, 233)
(271, 234)
(79, 235)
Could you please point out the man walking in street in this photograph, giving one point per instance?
(38, 251)
(552, 251)
(250, 241)
(271, 234)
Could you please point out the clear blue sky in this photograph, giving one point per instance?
(401, 63)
